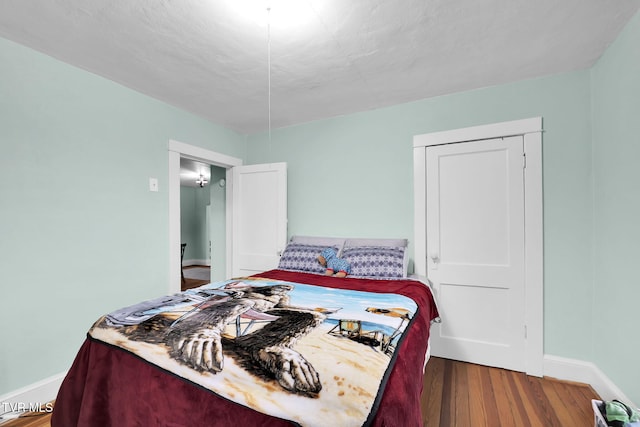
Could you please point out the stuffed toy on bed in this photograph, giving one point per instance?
(329, 259)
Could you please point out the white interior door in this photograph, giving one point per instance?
(475, 250)
(259, 217)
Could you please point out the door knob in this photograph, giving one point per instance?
(435, 261)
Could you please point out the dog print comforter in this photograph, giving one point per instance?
(297, 348)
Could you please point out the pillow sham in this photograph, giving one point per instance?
(352, 243)
(303, 257)
(326, 242)
(376, 261)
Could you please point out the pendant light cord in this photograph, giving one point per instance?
(269, 69)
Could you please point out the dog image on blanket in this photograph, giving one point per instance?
(279, 347)
(196, 338)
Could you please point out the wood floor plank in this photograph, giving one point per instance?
(573, 399)
(540, 402)
(461, 410)
(566, 414)
(502, 394)
(30, 420)
(448, 400)
(519, 401)
(487, 396)
(431, 400)
(477, 409)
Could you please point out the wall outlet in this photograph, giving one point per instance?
(153, 184)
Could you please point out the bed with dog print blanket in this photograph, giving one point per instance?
(280, 348)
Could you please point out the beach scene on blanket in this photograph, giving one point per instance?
(298, 352)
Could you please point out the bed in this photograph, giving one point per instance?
(290, 346)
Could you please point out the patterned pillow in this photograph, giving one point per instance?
(375, 261)
(301, 257)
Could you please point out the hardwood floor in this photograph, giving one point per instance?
(458, 394)
(30, 420)
(188, 283)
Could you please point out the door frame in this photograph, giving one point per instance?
(531, 130)
(177, 150)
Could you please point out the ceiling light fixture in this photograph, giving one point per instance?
(293, 16)
(202, 181)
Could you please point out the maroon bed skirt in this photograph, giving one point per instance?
(108, 386)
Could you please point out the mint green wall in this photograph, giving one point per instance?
(80, 232)
(193, 232)
(353, 176)
(616, 152)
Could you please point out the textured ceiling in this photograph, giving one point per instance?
(337, 57)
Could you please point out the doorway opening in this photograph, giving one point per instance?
(223, 163)
(202, 222)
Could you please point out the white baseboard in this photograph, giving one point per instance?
(32, 398)
(585, 372)
(190, 262)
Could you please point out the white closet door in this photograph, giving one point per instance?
(259, 217)
(475, 250)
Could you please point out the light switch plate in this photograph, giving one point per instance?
(153, 184)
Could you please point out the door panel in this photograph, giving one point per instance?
(260, 217)
(475, 248)
(465, 303)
